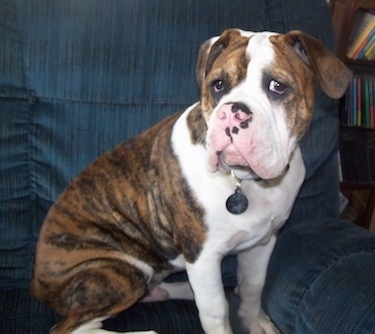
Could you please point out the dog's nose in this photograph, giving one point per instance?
(239, 106)
(235, 114)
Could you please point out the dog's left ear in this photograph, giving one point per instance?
(333, 76)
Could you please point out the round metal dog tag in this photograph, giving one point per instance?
(237, 203)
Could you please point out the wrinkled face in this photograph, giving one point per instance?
(257, 100)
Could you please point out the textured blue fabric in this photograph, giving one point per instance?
(322, 281)
(79, 76)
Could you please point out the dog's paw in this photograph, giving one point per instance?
(263, 325)
(155, 294)
(257, 321)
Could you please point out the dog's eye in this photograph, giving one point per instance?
(218, 86)
(277, 87)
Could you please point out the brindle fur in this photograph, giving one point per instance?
(116, 202)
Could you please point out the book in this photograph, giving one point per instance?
(370, 53)
(363, 24)
(367, 49)
(359, 104)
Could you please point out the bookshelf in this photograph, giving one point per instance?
(354, 27)
(343, 13)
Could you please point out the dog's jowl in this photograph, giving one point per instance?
(159, 202)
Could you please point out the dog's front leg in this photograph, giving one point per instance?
(252, 270)
(205, 279)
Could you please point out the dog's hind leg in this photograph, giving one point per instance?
(101, 290)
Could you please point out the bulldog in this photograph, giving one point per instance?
(217, 179)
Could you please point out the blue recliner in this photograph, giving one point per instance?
(79, 76)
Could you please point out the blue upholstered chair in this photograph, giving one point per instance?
(79, 76)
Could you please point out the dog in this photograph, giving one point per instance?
(217, 179)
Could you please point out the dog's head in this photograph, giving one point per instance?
(258, 96)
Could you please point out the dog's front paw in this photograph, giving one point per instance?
(262, 325)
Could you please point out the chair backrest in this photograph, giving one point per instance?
(77, 77)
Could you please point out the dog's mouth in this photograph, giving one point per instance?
(255, 155)
(241, 169)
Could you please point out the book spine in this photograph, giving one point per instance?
(362, 33)
(358, 106)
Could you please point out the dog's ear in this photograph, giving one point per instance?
(210, 50)
(204, 51)
(333, 76)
